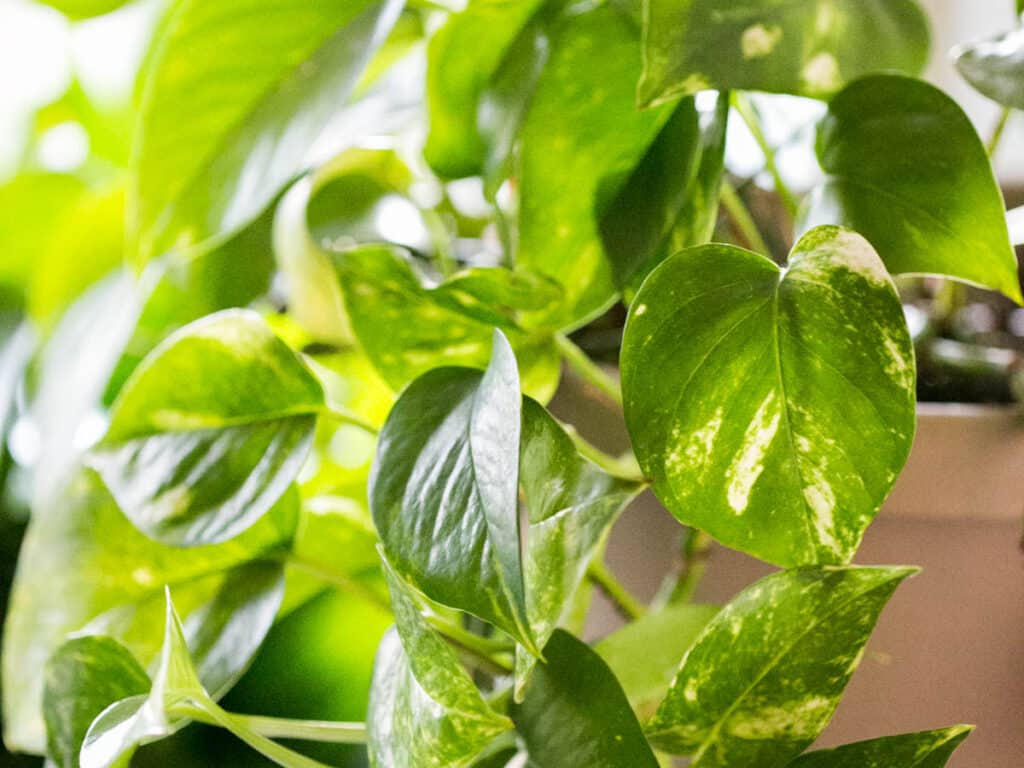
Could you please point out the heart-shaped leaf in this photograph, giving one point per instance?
(444, 490)
(766, 674)
(407, 328)
(995, 67)
(580, 140)
(906, 169)
(210, 431)
(84, 677)
(772, 408)
(462, 58)
(805, 47)
(645, 655)
(259, 91)
(927, 749)
(671, 200)
(576, 714)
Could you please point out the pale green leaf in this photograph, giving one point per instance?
(773, 409)
(906, 169)
(84, 9)
(258, 92)
(646, 654)
(802, 47)
(210, 430)
(766, 674)
(927, 749)
(575, 713)
(444, 490)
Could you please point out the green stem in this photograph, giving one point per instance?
(490, 652)
(749, 114)
(345, 416)
(629, 606)
(337, 580)
(588, 370)
(623, 467)
(740, 216)
(695, 557)
(306, 730)
(445, 260)
(998, 131)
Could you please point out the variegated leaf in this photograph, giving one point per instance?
(927, 749)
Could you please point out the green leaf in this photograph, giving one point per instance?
(773, 409)
(463, 57)
(763, 679)
(572, 505)
(83, 678)
(84, 9)
(441, 722)
(671, 200)
(85, 568)
(575, 713)
(210, 431)
(580, 140)
(927, 749)
(407, 328)
(259, 91)
(444, 490)
(995, 67)
(906, 169)
(645, 655)
(803, 47)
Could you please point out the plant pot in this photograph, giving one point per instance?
(948, 647)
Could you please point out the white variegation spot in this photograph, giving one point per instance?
(749, 462)
(759, 41)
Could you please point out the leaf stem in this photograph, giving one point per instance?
(345, 416)
(627, 604)
(339, 581)
(696, 548)
(742, 219)
(749, 114)
(588, 370)
(624, 467)
(307, 730)
(997, 133)
(490, 652)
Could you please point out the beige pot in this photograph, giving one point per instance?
(950, 646)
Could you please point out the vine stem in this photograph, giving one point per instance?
(695, 555)
(997, 133)
(588, 370)
(627, 604)
(337, 580)
(741, 217)
(623, 467)
(307, 730)
(345, 416)
(746, 111)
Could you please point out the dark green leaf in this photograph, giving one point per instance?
(84, 567)
(766, 674)
(928, 749)
(210, 431)
(84, 677)
(671, 200)
(772, 409)
(259, 91)
(581, 139)
(802, 47)
(575, 713)
(572, 505)
(444, 491)
(407, 328)
(995, 67)
(906, 169)
(462, 58)
(645, 655)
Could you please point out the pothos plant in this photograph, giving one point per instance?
(367, 413)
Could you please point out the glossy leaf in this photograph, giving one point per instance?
(84, 677)
(906, 169)
(773, 409)
(766, 674)
(572, 506)
(259, 91)
(576, 714)
(407, 328)
(995, 67)
(210, 431)
(645, 655)
(580, 140)
(464, 55)
(671, 200)
(85, 568)
(444, 490)
(927, 749)
(805, 48)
